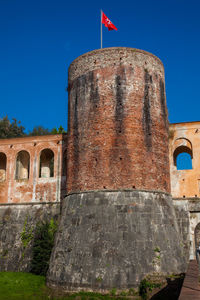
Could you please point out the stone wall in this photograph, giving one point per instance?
(188, 218)
(110, 239)
(14, 220)
(183, 220)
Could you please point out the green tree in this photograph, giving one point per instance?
(54, 131)
(10, 129)
(39, 130)
(59, 130)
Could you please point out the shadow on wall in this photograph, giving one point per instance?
(63, 191)
(171, 290)
(3, 162)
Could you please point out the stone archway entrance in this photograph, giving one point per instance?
(194, 233)
(197, 235)
(197, 240)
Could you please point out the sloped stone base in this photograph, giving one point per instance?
(113, 239)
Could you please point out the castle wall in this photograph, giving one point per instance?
(24, 176)
(188, 218)
(185, 137)
(16, 219)
(112, 239)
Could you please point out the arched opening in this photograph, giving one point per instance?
(184, 161)
(22, 165)
(183, 154)
(3, 161)
(197, 242)
(197, 235)
(46, 163)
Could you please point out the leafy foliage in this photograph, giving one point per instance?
(147, 286)
(10, 129)
(59, 130)
(26, 234)
(39, 130)
(42, 246)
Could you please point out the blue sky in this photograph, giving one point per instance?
(39, 40)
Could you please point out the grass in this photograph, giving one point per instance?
(26, 286)
(21, 286)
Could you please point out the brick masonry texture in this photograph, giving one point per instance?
(34, 188)
(118, 127)
(113, 239)
(185, 137)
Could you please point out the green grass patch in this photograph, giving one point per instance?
(21, 286)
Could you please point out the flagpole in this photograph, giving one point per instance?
(101, 29)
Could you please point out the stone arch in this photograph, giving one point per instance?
(22, 165)
(197, 235)
(182, 145)
(46, 163)
(3, 163)
(194, 227)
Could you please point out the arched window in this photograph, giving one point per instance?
(183, 154)
(3, 161)
(46, 163)
(22, 165)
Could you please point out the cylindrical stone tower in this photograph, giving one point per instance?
(117, 222)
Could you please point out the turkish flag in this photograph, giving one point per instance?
(107, 22)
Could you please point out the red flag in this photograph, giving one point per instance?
(107, 22)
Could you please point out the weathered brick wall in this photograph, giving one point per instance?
(34, 188)
(118, 127)
(185, 138)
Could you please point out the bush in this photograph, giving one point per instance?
(147, 286)
(42, 247)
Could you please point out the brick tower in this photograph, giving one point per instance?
(118, 209)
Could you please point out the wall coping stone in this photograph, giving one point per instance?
(29, 203)
(91, 53)
(117, 191)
